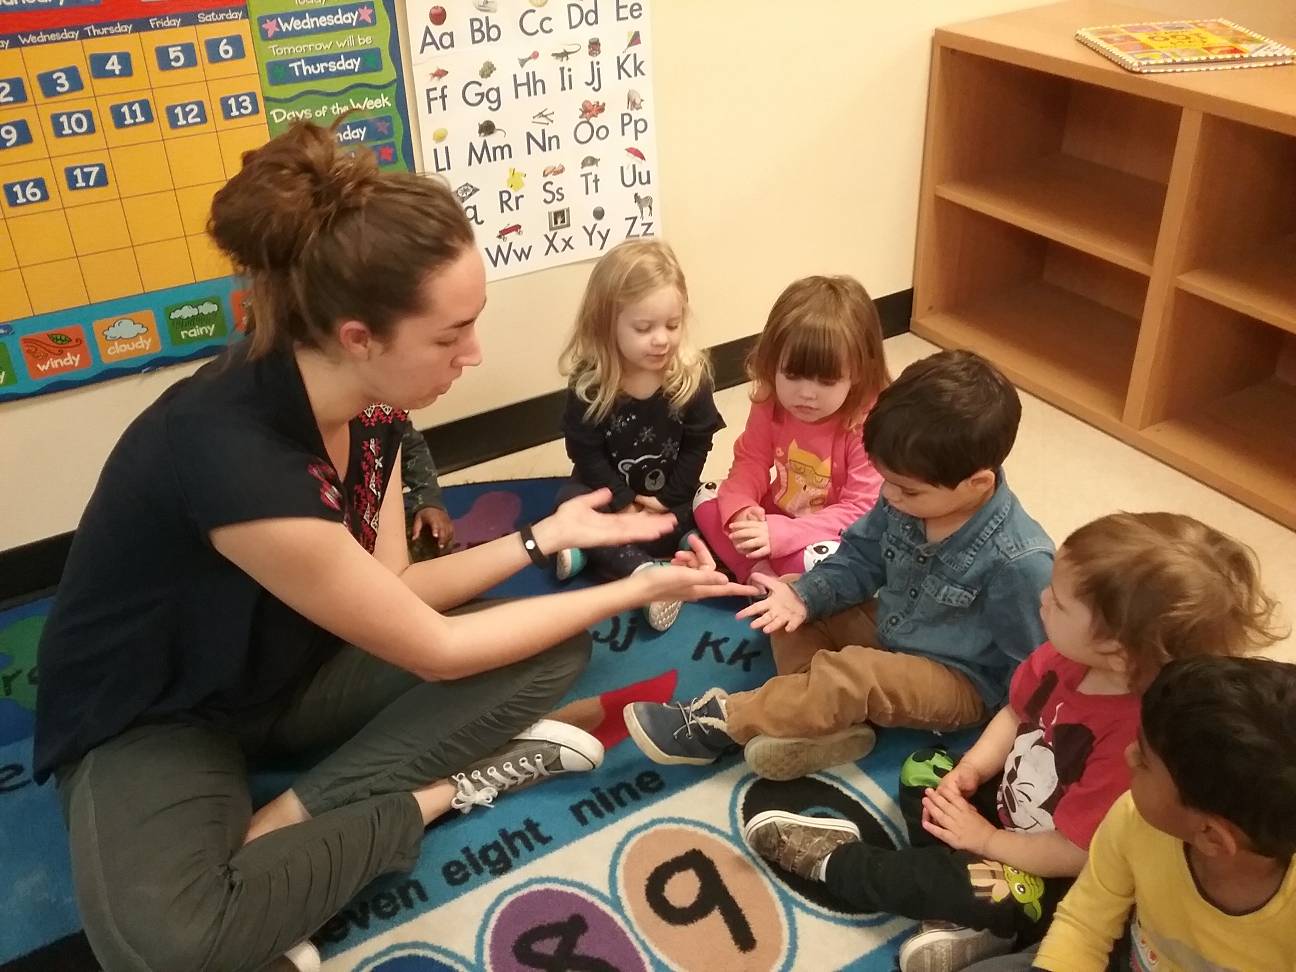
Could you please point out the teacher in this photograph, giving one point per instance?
(239, 590)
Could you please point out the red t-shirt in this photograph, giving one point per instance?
(1067, 765)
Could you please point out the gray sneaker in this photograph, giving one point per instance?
(681, 733)
(941, 946)
(302, 957)
(544, 749)
(772, 758)
(796, 843)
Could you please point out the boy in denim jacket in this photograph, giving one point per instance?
(918, 619)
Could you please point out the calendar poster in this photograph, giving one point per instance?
(540, 114)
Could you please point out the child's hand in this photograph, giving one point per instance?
(956, 822)
(962, 781)
(782, 609)
(746, 513)
(437, 522)
(650, 503)
(750, 538)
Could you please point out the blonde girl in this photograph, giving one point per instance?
(639, 417)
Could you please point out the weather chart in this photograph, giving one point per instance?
(119, 120)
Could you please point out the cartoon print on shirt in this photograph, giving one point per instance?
(996, 883)
(1150, 952)
(1046, 758)
(645, 475)
(803, 487)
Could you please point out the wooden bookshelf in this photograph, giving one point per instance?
(1123, 246)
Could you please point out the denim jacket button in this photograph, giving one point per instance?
(922, 559)
(913, 592)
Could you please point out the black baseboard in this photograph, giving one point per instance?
(36, 567)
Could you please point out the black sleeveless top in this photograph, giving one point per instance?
(150, 623)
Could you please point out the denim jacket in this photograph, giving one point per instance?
(970, 602)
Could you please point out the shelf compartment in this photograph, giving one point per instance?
(1101, 211)
(1083, 165)
(1239, 249)
(1059, 322)
(1260, 282)
(1243, 443)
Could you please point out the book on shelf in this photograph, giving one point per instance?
(1185, 45)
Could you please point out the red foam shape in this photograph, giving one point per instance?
(612, 730)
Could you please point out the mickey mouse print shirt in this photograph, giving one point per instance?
(644, 447)
(1067, 765)
(150, 623)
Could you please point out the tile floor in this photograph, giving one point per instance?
(1065, 472)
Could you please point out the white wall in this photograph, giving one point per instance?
(790, 141)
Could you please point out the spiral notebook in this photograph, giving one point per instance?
(1185, 45)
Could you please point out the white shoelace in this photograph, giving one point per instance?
(479, 789)
(691, 717)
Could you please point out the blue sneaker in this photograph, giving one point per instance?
(569, 562)
(674, 733)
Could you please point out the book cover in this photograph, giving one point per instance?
(1184, 45)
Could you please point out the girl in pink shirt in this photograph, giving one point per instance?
(800, 474)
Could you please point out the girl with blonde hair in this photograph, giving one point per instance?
(639, 417)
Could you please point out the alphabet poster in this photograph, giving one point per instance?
(539, 113)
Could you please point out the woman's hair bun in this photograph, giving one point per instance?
(288, 192)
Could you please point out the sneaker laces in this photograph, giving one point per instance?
(482, 786)
(691, 718)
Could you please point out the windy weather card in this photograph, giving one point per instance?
(539, 113)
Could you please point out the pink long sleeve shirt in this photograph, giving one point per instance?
(823, 480)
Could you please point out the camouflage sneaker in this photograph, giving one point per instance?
(941, 946)
(796, 843)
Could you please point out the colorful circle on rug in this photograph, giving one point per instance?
(698, 902)
(414, 957)
(812, 797)
(561, 927)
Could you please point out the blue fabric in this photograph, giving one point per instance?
(970, 601)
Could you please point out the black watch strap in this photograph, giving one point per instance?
(532, 548)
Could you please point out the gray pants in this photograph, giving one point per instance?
(156, 816)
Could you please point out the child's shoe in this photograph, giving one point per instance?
(705, 493)
(941, 946)
(569, 562)
(673, 733)
(659, 614)
(544, 749)
(796, 843)
(788, 759)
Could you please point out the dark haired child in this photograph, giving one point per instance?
(918, 619)
(1198, 862)
(998, 837)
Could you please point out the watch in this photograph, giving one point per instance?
(532, 548)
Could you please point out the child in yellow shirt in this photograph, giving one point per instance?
(1196, 865)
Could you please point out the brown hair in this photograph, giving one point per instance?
(827, 328)
(1167, 586)
(946, 417)
(626, 274)
(325, 237)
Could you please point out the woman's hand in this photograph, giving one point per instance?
(578, 523)
(751, 538)
(650, 503)
(692, 576)
(781, 610)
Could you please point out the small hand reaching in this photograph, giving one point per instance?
(956, 822)
(437, 522)
(962, 781)
(781, 610)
